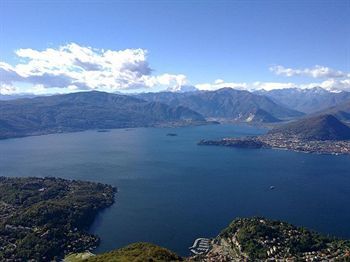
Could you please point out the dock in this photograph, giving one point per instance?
(200, 246)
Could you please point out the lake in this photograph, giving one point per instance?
(171, 191)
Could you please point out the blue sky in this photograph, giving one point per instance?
(238, 42)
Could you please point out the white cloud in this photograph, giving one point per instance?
(315, 72)
(182, 88)
(335, 80)
(219, 83)
(329, 84)
(76, 67)
(72, 67)
(7, 89)
(271, 85)
(171, 80)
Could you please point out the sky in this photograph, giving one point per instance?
(148, 46)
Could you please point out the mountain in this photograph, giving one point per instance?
(226, 103)
(341, 111)
(320, 127)
(13, 97)
(86, 110)
(261, 116)
(306, 100)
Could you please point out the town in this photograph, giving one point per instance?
(278, 141)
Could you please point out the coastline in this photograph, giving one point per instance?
(49, 217)
(158, 125)
(326, 147)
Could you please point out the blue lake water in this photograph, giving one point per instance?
(171, 191)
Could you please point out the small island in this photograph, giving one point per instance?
(320, 134)
(43, 219)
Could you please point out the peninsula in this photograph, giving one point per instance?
(43, 219)
(245, 239)
(323, 134)
(260, 239)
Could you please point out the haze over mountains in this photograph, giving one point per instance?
(320, 127)
(341, 111)
(306, 100)
(86, 110)
(226, 103)
(99, 110)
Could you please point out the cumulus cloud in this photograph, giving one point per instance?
(315, 72)
(335, 80)
(85, 68)
(72, 67)
(7, 89)
(334, 85)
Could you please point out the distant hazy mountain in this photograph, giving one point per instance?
(86, 110)
(261, 116)
(306, 100)
(341, 111)
(321, 127)
(19, 96)
(226, 103)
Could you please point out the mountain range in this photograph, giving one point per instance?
(341, 111)
(87, 110)
(306, 100)
(226, 103)
(100, 110)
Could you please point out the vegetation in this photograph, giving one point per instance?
(259, 238)
(321, 127)
(45, 218)
(137, 252)
(226, 103)
(86, 110)
(248, 239)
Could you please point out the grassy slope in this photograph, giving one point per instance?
(137, 252)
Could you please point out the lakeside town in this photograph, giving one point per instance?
(257, 239)
(279, 141)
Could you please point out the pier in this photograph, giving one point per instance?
(200, 246)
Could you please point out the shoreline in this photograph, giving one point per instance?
(341, 147)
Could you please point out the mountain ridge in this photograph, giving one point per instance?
(319, 127)
(341, 111)
(306, 100)
(87, 110)
(225, 103)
